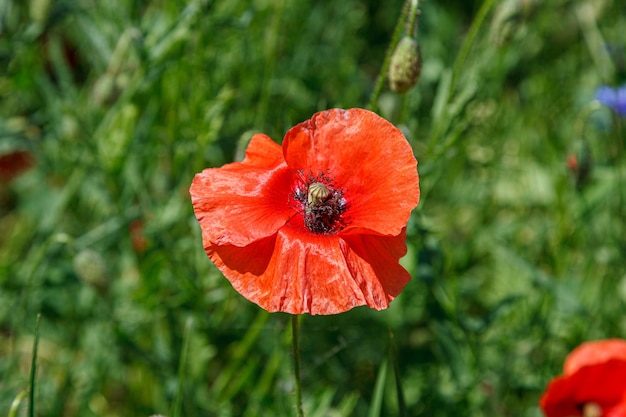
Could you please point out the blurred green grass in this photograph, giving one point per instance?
(121, 103)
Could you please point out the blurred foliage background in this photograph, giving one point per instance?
(108, 109)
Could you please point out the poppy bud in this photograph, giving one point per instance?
(405, 66)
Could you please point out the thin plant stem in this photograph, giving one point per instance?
(379, 389)
(296, 363)
(393, 357)
(33, 371)
(619, 160)
(380, 81)
(412, 23)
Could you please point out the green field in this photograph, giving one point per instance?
(517, 249)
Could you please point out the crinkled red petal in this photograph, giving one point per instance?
(603, 384)
(242, 202)
(298, 272)
(263, 152)
(244, 266)
(377, 258)
(367, 157)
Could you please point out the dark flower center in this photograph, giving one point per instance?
(321, 203)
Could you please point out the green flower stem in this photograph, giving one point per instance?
(411, 27)
(296, 363)
(619, 160)
(380, 81)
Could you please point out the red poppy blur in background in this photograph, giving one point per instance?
(137, 236)
(317, 226)
(14, 163)
(593, 382)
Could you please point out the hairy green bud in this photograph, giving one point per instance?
(405, 66)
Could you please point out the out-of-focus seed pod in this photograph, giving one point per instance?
(405, 66)
(91, 268)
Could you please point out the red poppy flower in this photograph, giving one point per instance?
(593, 382)
(317, 226)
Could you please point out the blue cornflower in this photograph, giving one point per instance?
(614, 98)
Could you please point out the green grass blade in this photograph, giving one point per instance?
(379, 389)
(239, 357)
(33, 371)
(181, 369)
(402, 411)
(15, 405)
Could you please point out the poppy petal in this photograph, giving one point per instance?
(603, 384)
(619, 410)
(263, 152)
(298, 272)
(594, 372)
(377, 258)
(308, 274)
(593, 353)
(367, 157)
(243, 201)
(243, 265)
